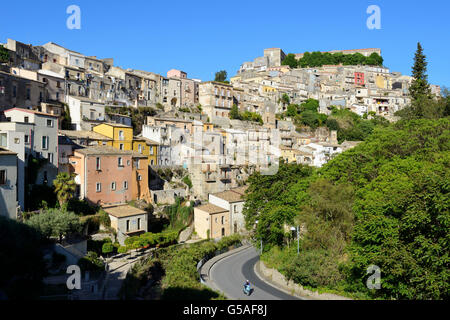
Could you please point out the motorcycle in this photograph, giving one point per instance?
(247, 290)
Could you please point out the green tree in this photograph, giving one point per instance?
(234, 112)
(285, 100)
(419, 86)
(290, 61)
(56, 223)
(65, 187)
(66, 123)
(107, 248)
(292, 110)
(4, 55)
(221, 76)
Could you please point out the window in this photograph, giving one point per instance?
(27, 139)
(125, 185)
(121, 146)
(139, 223)
(140, 148)
(44, 142)
(2, 177)
(120, 161)
(235, 208)
(223, 219)
(50, 157)
(99, 187)
(97, 162)
(113, 186)
(121, 137)
(151, 149)
(28, 93)
(58, 84)
(139, 178)
(151, 162)
(26, 119)
(138, 162)
(49, 123)
(128, 225)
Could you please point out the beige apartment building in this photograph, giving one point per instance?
(211, 221)
(216, 99)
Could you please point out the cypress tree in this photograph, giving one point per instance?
(419, 86)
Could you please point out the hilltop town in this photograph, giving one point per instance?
(120, 131)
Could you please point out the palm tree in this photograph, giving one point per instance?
(65, 187)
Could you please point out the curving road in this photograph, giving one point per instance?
(230, 273)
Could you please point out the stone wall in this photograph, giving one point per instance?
(274, 277)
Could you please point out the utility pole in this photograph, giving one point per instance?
(261, 247)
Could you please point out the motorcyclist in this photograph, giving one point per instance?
(247, 284)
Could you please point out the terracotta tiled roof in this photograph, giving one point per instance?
(122, 211)
(211, 209)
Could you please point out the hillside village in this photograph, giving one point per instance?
(134, 138)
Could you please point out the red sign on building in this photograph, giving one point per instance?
(359, 78)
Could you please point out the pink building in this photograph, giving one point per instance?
(103, 174)
(174, 73)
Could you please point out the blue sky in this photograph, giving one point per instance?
(202, 37)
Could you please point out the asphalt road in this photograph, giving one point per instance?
(230, 273)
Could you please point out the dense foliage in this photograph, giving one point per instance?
(245, 116)
(318, 59)
(221, 76)
(22, 265)
(4, 54)
(352, 127)
(383, 203)
(55, 223)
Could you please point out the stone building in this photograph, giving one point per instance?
(8, 184)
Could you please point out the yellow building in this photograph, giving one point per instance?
(289, 154)
(269, 89)
(121, 134)
(148, 148)
(208, 127)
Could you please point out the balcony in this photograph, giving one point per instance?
(210, 177)
(225, 176)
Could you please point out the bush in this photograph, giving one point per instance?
(104, 219)
(122, 249)
(107, 248)
(91, 262)
(81, 207)
(187, 181)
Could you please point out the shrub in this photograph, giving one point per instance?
(122, 249)
(107, 248)
(91, 262)
(104, 219)
(187, 181)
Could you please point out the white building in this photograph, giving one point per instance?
(233, 201)
(8, 184)
(40, 139)
(85, 113)
(13, 140)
